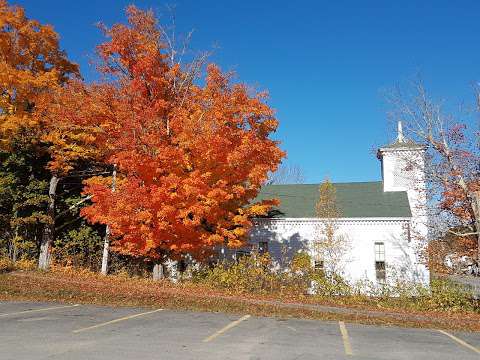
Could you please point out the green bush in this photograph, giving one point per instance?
(448, 296)
(79, 247)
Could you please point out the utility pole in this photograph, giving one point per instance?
(106, 243)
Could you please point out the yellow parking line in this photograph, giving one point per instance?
(460, 341)
(116, 321)
(346, 339)
(37, 310)
(226, 328)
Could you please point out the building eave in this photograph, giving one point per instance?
(359, 219)
(406, 148)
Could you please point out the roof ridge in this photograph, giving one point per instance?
(333, 183)
(355, 199)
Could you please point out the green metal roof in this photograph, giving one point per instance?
(401, 142)
(406, 144)
(355, 200)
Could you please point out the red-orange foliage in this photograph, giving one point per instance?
(459, 179)
(190, 157)
(457, 201)
(457, 172)
(32, 68)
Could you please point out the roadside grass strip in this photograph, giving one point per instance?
(38, 310)
(460, 341)
(115, 321)
(226, 328)
(346, 339)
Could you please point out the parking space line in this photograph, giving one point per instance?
(115, 321)
(37, 310)
(460, 341)
(292, 328)
(346, 340)
(226, 328)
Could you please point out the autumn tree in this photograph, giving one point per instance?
(330, 246)
(191, 146)
(453, 179)
(32, 69)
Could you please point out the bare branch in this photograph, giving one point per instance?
(287, 174)
(462, 234)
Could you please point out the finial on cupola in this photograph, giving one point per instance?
(400, 137)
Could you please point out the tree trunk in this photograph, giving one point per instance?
(13, 250)
(158, 273)
(106, 243)
(49, 229)
(172, 269)
(476, 211)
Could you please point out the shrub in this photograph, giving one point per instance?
(26, 264)
(6, 265)
(81, 246)
(301, 262)
(327, 285)
(446, 295)
(259, 274)
(248, 274)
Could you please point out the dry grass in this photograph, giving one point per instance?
(77, 286)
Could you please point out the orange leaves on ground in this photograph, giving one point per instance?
(191, 154)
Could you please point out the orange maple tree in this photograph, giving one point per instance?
(32, 67)
(191, 153)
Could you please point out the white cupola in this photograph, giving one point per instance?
(403, 164)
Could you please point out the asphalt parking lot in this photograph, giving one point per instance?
(59, 331)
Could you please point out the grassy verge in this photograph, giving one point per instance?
(73, 286)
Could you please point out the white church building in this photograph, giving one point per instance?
(384, 222)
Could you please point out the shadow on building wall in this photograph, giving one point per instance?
(282, 249)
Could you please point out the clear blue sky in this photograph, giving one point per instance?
(325, 63)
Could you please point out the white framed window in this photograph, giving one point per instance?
(318, 265)
(379, 251)
(409, 234)
(380, 268)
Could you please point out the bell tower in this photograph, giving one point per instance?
(403, 164)
(403, 169)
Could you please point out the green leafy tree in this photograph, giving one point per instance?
(23, 199)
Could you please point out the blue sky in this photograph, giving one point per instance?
(325, 63)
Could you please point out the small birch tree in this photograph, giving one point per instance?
(330, 246)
